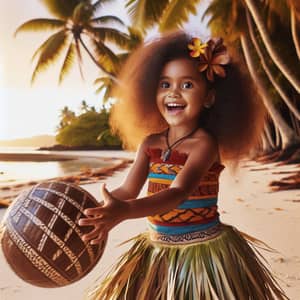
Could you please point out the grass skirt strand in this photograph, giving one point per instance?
(226, 267)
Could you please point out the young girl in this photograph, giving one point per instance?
(193, 109)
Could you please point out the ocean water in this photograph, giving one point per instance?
(15, 172)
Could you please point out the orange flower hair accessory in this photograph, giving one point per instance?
(212, 55)
(197, 47)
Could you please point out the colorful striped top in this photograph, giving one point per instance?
(199, 211)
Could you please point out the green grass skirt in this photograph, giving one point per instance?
(226, 267)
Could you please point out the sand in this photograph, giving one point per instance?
(245, 201)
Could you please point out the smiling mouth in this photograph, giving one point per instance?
(174, 107)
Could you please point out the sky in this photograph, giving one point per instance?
(27, 110)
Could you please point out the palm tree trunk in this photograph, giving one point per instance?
(265, 145)
(267, 70)
(295, 122)
(277, 137)
(289, 138)
(269, 45)
(79, 58)
(294, 30)
(269, 135)
(96, 62)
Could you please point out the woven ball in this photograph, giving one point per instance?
(42, 241)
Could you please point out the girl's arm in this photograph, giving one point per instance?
(137, 175)
(114, 211)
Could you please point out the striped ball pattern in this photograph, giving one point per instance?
(42, 241)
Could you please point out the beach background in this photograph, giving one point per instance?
(46, 113)
(245, 201)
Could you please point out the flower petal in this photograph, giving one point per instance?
(210, 74)
(219, 70)
(222, 58)
(202, 67)
(196, 41)
(191, 46)
(195, 53)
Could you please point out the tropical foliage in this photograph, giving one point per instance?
(77, 27)
(90, 128)
(267, 34)
(167, 14)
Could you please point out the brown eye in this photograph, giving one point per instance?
(164, 84)
(187, 85)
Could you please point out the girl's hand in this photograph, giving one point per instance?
(103, 218)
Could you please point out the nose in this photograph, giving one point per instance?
(174, 92)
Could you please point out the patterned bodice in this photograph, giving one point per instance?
(199, 211)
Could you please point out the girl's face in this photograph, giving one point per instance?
(181, 93)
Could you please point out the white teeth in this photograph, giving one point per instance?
(175, 105)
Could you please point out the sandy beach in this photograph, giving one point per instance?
(245, 200)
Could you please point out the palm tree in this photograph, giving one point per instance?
(106, 83)
(232, 15)
(283, 94)
(289, 138)
(76, 25)
(84, 107)
(66, 117)
(254, 10)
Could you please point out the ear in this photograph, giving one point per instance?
(210, 98)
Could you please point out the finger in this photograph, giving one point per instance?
(93, 211)
(105, 193)
(99, 239)
(91, 235)
(89, 221)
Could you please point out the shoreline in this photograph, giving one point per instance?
(36, 157)
(245, 201)
(87, 176)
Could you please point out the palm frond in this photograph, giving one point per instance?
(68, 62)
(82, 13)
(176, 13)
(145, 13)
(103, 80)
(112, 35)
(105, 57)
(61, 8)
(136, 37)
(107, 92)
(99, 3)
(40, 25)
(211, 9)
(100, 89)
(123, 56)
(108, 19)
(78, 52)
(50, 51)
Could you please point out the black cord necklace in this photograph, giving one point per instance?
(167, 153)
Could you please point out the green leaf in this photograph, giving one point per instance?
(108, 19)
(145, 13)
(68, 62)
(176, 13)
(112, 35)
(82, 13)
(105, 83)
(103, 80)
(50, 51)
(40, 25)
(100, 3)
(61, 8)
(105, 57)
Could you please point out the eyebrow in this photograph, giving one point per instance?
(182, 77)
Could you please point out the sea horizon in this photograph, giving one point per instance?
(19, 170)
